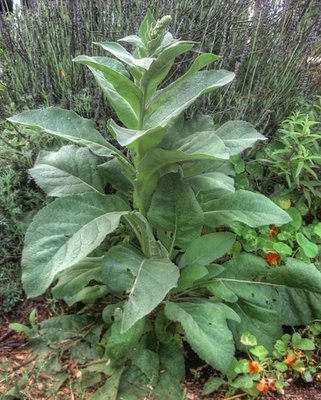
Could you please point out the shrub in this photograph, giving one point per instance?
(19, 199)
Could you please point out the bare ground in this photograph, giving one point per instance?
(16, 362)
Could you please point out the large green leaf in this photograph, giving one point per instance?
(148, 22)
(120, 344)
(63, 233)
(180, 129)
(198, 167)
(75, 278)
(122, 93)
(172, 101)
(261, 322)
(238, 136)
(175, 209)
(87, 295)
(163, 63)
(150, 247)
(120, 266)
(215, 182)
(118, 51)
(206, 249)
(155, 278)
(292, 290)
(133, 40)
(206, 145)
(67, 125)
(172, 368)
(250, 208)
(64, 327)
(134, 384)
(147, 361)
(206, 330)
(190, 275)
(71, 170)
(118, 175)
(147, 139)
(109, 391)
(155, 159)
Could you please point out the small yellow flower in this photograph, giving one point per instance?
(62, 73)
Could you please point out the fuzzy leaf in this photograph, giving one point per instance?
(206, 249)
(250, 208)
(148, 22)
(174, 99)
(119, 268)
(123, 55)
(172, 371)
(63, 233)
(70, 170)
(261, 322)
(155, 159)
(67, 125)
(206, 330)
(172, 201)
(238, 136)
(162, 65)
(155, 278)
(87, 295)
(109, 391)
(120, 344)
(147, 361)
(75, 278)
(122, 93)
(217, 183)
(134, 40)
(292, 291)
(118, 175)
(212, 384)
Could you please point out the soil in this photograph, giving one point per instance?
(16, 359)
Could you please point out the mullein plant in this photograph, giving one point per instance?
(162, 273)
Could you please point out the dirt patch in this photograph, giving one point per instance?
(17, 361)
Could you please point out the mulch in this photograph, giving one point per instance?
(16, 360)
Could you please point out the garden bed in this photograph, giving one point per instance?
(17, 361)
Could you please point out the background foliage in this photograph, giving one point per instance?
(267, 43)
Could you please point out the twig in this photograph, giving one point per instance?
(273, 396)
(24, 363)
(89, 364)
(5, 336)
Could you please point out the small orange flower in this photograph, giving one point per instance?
(254, 367)
(273, 231)
(262, 386)
(62, 73)
(272, 258)
(290, 360)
